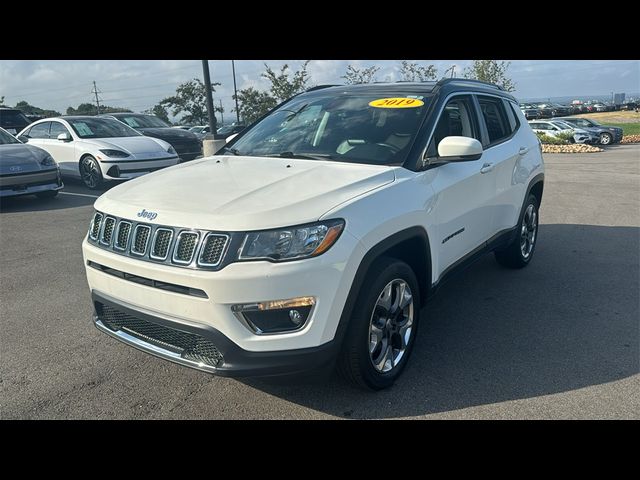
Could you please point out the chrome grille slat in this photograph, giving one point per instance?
(177, 246)
(185, 247)
(212, 249)
(161, 243)
(96, 223)
(140, 239)
(122, 235)
(107, 230)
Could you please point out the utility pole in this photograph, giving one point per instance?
(235, 90)
(221, 113)
(207, 89)
(96, 92)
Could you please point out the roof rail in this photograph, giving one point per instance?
(320, 87)
(446, 81)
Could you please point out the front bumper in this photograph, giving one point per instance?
(327, 277)
(128, 169)
(30, 183)
(230, 359)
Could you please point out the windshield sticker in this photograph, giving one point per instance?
(396, 103)
(83, 129)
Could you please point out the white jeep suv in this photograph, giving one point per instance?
(317, 234)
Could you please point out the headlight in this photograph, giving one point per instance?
(291, 243)
(48, 161)
(115, 153)
(171, 150)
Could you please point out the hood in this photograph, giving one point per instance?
(21, 158)
(230, 193)
(132, 145)
(169, 134)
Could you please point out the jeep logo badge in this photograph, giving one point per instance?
(147, 215)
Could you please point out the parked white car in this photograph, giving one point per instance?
(555, 127)
(317, 234)
(98, 149)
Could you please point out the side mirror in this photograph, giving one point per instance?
(459, 149)
(64, 137)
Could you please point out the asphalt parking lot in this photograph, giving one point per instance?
(559, 339)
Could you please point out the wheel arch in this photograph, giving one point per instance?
(411, 246)
(536, 188)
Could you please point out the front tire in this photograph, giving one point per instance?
(606, 139)
(519, 252)
(383, 326)
(90, 173)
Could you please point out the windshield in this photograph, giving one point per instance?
(343, 128)
(593, 122)
(196, 129)
(101, 128)
(143, 121)
(563, 125)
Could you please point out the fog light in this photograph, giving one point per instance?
(275, 316)
(114, 171)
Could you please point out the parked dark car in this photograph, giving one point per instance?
(229, 130)
(608, 134)
(186, 144)
(529, 111)
(12, 120)
(26, 169)
(629, 106)
(556, 109)
(542, 112)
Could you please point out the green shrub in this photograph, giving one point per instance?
(561, 139)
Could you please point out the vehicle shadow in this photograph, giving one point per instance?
(569, 320)
(71, 196)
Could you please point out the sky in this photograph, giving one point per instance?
(140, 84)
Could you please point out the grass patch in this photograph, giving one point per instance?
(627, 128)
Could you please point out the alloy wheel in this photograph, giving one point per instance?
(528, 231)
(391, 325)
(90, 173)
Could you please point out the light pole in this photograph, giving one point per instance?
(235, 90)
(207, 89)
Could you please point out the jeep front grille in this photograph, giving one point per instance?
(190, 346)
(187, 248)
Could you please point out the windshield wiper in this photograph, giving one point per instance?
(302, 156)
(235, 151)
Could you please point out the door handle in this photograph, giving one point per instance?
(523, 150)
(486, 168)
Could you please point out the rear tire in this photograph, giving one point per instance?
(383, 326)
(520, 251)
(90, 173)
(48, 194)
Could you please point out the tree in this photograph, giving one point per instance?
(492, 71)
(159, 111)
(252, 104)
(414, 72)
(91, 109)
(2, 100)
(190, 99)
(282, 86)
(355, 75)
(27, 109)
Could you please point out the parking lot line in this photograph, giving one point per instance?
(79, 194)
